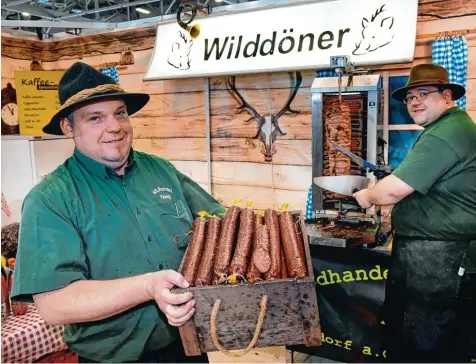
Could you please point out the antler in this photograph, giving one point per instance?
(245, 105)
(379, 11)
(183, 37)
(287, 107)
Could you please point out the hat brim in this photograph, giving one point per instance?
(457, 89)
(134, 102)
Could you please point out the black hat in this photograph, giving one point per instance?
(82, 83)
(429, 75)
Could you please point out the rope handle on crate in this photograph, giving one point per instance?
(259, 325)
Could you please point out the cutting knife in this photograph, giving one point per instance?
(361, 162)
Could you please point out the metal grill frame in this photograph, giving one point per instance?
(322, 87)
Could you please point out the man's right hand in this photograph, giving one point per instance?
(179, 307)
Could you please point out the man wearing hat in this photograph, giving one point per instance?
(434, 218)
(102, 236)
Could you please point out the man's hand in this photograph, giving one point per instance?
(362, 198)
(388, 191)
(177, 307)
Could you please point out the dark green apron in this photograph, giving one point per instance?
(430, 308)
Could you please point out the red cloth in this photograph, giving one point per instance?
(5, 207)
(28, 337)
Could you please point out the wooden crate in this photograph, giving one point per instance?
(291, 317)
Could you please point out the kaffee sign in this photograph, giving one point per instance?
(290, 37)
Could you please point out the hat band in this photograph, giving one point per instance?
(88, 92)
(428, 82)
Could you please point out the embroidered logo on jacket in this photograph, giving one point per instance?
(163, 196)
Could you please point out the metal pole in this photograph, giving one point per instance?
(207, 125)
(96, 6)
(317, 148)
(386, 88)
(170, 7)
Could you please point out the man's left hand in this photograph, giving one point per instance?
(362, 198)
(177, 307)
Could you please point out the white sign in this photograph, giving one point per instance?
(295, 37)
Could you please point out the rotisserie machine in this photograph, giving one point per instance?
(337, 219)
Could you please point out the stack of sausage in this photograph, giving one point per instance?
(244, 247)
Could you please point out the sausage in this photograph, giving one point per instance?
(205, 270)
(261, 258)
(194, 250)
(294, 253)
(253, 273)
(271, 219)
(297, 229)
(239, 263)
(284, 265)
(226, 244)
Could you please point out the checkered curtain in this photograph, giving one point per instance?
(329, 72)
(5, 208)
(452, 53)
(319, 74)
(111, 72)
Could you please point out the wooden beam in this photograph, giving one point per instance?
(100, 44)
(444, 9)
(289, 152)
(404, 127)
(171, 116)
(262, 197)
(283, 177)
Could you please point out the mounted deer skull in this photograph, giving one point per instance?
(268, 126)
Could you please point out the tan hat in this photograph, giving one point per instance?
(429, 75)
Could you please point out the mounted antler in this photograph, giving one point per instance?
(268, 126)
(287, 107)
(244, 104)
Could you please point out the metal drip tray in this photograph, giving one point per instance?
(342, 230)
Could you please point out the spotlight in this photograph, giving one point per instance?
(143, 11)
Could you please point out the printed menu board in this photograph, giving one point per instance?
(37, 98)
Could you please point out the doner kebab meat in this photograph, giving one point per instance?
(337, 128)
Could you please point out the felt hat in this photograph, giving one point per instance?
(429, 75)
(82, 83)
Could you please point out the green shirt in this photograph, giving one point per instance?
(441, 167)
(83, 221)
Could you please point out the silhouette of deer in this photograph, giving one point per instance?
(376, 33)
(179, 53)
(268, 126)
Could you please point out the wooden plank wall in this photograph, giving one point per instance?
(172, 125)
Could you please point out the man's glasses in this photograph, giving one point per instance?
(422, 95)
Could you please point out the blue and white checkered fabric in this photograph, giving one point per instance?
(111, 72)
(452, 53)
(309, 204)
(330, 72)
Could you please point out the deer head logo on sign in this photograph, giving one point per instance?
(268, 126)
(376, 33)
(179, 54)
